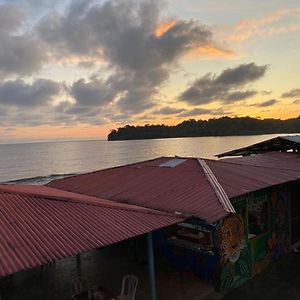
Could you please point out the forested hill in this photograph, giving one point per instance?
(213, 127)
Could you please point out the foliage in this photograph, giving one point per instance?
(212, 127)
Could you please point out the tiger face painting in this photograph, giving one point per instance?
(230, 238)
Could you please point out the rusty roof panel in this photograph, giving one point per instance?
(246, 175)
(37, 227)
(185, 188)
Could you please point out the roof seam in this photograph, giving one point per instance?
(218, 189)
(139, 209)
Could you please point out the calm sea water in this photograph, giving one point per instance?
(41, 162)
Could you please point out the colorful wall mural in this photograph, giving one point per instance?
(234, 257)
(238, 247)
(265, 217)
(279, 240)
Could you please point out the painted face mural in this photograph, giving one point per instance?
(230, 237)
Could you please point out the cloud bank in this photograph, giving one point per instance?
(224, 87)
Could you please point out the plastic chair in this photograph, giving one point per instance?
(94, 294)
(79, 285)
(98, 296)
(129, 285)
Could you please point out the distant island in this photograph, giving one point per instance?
(212, 127)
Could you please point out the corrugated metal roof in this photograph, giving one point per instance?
(239, 176)
(280, 143)
(183, 188)
(280, 160)
(41, 224)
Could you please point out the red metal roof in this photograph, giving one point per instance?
(280, 160)
(183, 188)
(239, 176)
(41, 224)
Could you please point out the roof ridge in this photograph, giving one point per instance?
(216, 186)
(249, 165)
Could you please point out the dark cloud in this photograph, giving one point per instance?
(19, 93)
(224, 87)
(204, 111)
(123, 34)
(92, 93)
(239, 95)
(20, 53)
(169, 110)
(265, 103)
(241, 75)
(36, 8)
(294, 93)
(297, 101)
(11, 18)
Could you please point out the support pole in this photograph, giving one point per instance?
(78, 264)
(151, 269)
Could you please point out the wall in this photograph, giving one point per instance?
(260, 245)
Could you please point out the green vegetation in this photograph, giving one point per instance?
(213, 127)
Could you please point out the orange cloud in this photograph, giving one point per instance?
(212, 51)
(59, 132)
(266, 26)
(164, 26)
(70, 59)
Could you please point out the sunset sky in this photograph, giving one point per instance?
(77, 69)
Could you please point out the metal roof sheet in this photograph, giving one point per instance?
(183, 188)
(280, 160)
(239, 176)
(41, 224)
(280, 143)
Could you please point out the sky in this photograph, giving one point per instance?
(77, 69)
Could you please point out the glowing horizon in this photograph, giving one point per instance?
(83, 69)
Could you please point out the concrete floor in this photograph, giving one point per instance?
(281, 281)
(107, 267)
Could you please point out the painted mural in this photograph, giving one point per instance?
(265, 216)
(230, 238)
(274, 243)
(240, 246)
(279, 241)
(234, 256)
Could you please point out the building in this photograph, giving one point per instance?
(222, 220)
(240, 213)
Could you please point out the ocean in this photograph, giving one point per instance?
(39, 163)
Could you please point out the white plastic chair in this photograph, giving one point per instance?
(98, 296)
(79, 285)
(94, 294)
(129, 285)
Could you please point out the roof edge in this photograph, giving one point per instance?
(66, 196)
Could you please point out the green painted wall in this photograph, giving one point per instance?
(257, 252)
